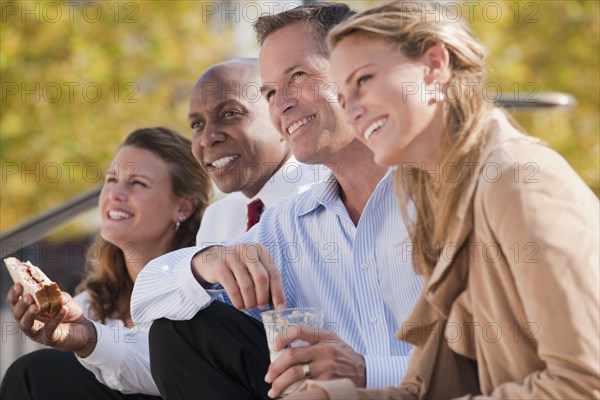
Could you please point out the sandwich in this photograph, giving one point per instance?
(47, 294)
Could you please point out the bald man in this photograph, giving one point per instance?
(236, 144)
(234, 141)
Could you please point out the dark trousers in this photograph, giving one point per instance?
(221, 353)
(51, 374)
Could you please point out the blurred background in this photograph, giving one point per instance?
(77, 77)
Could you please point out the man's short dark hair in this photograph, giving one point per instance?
(321, 17)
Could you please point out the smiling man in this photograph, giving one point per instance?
(233, 139)
(239, 148)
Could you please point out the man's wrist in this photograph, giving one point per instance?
(195, 259)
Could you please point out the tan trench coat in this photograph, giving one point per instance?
(512, 308)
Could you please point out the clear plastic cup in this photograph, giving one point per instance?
(286, 322)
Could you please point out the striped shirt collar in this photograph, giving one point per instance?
(327, 194)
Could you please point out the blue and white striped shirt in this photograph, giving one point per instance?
(359, 275)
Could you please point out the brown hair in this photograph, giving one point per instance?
(107, 280)
(321, 17)
(406, 26)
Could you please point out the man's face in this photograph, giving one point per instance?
(302, 97)
(233, 139)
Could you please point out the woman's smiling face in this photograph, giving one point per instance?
(389, 98)
(137, 203)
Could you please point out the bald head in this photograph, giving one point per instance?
(242, 70)
(238, 76)
(234, 139)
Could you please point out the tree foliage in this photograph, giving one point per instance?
(550, 46)
(73, 87)
(78, 76)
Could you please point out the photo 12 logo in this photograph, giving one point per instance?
(471, 11)
(70, 92)
(69, 11)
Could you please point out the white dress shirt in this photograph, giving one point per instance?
(361, 276)
(120, 359)
(118, 348)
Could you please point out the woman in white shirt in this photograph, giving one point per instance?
(152, 201)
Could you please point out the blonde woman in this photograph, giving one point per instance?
(152, 201)
(506, 233)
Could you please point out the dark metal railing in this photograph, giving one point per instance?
(39, 226)
(536, 102)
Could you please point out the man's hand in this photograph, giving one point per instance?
(327, 356)
(67, 330)
(245, 271)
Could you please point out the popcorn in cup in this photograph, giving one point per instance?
(287, 322)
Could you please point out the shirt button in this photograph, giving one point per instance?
(374, 319)
(364, 266)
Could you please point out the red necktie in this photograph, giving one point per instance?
(255, 209)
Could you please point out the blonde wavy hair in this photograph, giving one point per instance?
(412, 28)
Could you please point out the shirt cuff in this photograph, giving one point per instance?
(339, 389)
(190, 286)
(110, 349)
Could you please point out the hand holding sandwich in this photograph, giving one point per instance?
(67, 330)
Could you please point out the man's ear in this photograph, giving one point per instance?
(437, 62)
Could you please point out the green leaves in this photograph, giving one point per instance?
(78, 77)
